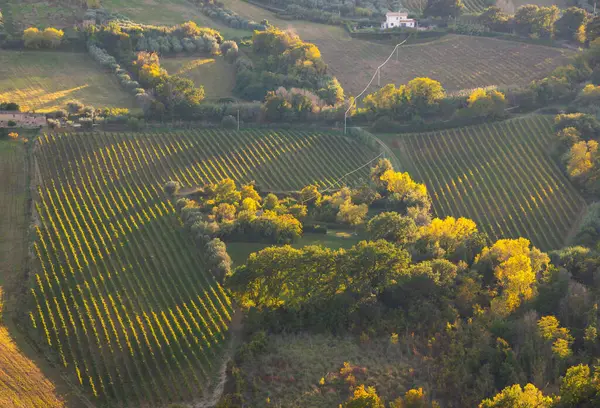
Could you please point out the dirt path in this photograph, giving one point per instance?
(235, 329)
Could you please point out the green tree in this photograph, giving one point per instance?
(579, 388)
(444, 8)
(571, 25)
(392, 227)
(352, 214)
(532, 20)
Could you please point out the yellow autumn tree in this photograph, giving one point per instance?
(486, 103)
(514, 266)
(32, 38)
(516, 397)
(400, 183)
(52, 38)
(580, 158)
(448, 232)
(550, 330)
(364, 397)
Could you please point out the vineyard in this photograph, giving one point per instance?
(471, 6)
(456, 61)
(120, 295)
(46, 81)
(499, 176)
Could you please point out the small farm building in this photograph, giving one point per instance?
(397, 19)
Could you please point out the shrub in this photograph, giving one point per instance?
(171, 188)
(229, 122)
(12, 123)
(75, 107)
(54, 123)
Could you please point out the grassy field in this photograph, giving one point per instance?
(458, 62)
(22, 383)
(214, 73)
(121, 298)
(290, 374)
(168, 12)
(46, 81)
(498, 175)
(41, 13)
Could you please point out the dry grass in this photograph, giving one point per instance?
(290, 371)
(45, 81)
(459, 62)
(215, 74)
(22, 384)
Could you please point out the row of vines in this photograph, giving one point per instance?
(120, 297)
(500, 176)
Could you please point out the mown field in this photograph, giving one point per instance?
(458, 62)
(22, 383)
(168, 12)
(216, 75)
(40, 13)
(120, 296)
(46, 81)
(498, 175)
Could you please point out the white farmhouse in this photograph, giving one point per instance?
(397, 19)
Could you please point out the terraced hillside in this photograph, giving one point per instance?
(120, 297)
(499, 176)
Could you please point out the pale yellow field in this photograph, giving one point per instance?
(216, 75)
(46, 81)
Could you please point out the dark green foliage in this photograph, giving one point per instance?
(572, 24)
(444, 8)
(531, 20)
(9, 106)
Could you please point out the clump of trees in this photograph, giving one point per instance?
(444, 8)
(419, 98)
(48, 38)
(540, 22)
(282, 59)
(222, 211)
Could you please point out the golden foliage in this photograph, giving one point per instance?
(580, 158)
